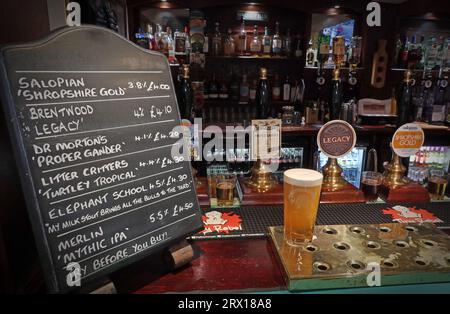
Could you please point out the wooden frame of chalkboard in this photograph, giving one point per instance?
(92, 119)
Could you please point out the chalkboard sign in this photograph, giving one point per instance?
(92, 119)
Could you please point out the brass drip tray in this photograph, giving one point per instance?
(344, 256)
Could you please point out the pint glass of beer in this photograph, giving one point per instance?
(301, 201)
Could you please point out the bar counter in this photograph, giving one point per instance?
(236, 266)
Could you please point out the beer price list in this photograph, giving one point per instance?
(100, 146)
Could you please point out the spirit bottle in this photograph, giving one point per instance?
(298, 53)
(277, 41)
(242, 39)
(151, 38)
(267, 43)
(216, 42)
(276, 88)
(229, 46)
(287, 44)
(255, 44)
(244, 91)
(338, 51)
(310, 54)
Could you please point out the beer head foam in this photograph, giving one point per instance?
(303, 177)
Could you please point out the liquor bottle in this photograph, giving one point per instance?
(151, 42)
(403, 62)
(404, 93)
(242, 39)
(141, 39)
(216, 42)
(185, 95)
(206, 44)
(255, 44)
(421, 51)
(298, 53)
(229, 46)
(187, 43)
(441, 51)
(234, 87)
(431, 54)
(180, 46)
(267, 43)
(324, 48)
(276, 88)
(223, 88)
(287, 89)
(263, 95)
(213, 88)
(244, 91)
(393, 110)
(355, 52)
(277, 41)
(310, 54)
(413, 53)
(170, 46)
(287, 44)
(162, 40)
(180, 43)
(338, 50)
(336, 95)
(398, 51)
(252, 90)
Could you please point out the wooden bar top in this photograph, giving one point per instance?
(243, 265)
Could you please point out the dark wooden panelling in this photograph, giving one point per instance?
(20, 21)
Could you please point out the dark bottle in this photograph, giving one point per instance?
(336, 97)
(213, 88)
(403, 62)
(404, 93)
(223, 89)
(185, 95)
(234, 87)
(263, 95)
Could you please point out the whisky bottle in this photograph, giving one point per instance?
(276, 88)
(277, 41)
(263, 95)
(287, 44)
(244, 90)
(216, 42)
(242, 39)
(229, 46)
(267, 43)
(255, 44)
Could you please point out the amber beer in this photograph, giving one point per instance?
(436, 188)
(225, 190)
(301, 201)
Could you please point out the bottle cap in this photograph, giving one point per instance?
(263, 73)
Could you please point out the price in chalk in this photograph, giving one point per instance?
(156, 112)
(148, 85)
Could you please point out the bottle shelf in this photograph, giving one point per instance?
(331, 69)
(254, 58)
(225, 102)
(413, 70)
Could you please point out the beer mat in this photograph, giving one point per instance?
(253, 221)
